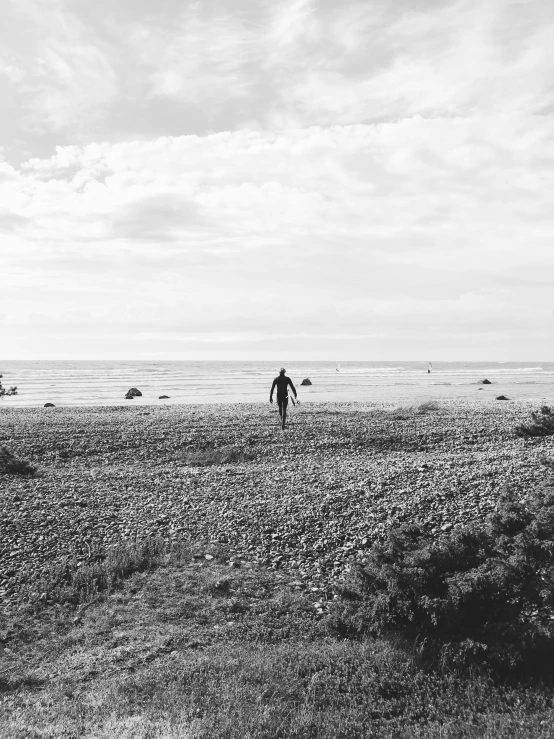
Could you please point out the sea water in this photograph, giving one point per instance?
(84, 383)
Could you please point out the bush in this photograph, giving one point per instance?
(10, 464)
(542, 425)
(480, 593)
(210, 455)
(11, 391)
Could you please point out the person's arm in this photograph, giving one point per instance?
(293, 388)
(272, 389)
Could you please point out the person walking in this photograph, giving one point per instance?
(282, 383)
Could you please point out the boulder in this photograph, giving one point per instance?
(129, 395)
(484, 382)
(163, 397)
(502, 397)
(307, 381)
(49, 405)
(134, 391)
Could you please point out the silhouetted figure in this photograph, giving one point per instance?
(282, 384)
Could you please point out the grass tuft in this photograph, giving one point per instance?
(72, 582)
(12, 465)
(542, 424)
(406, 412)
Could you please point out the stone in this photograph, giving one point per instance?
(502, 397)
(49, 405)
(484, 382)
(135, 391)
(163, 397)
(129, 395)
(307, 381)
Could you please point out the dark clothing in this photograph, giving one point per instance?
(282, 403)
(282, 384)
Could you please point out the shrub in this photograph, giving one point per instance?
(11, 391)
(479, 593)
(210, 455)
(542, 424)
(12, 465)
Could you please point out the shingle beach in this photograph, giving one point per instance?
(310, 500)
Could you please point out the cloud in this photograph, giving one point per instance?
(10, 221)
(60, 79)
(157, 219)
(83, 72)
(389, 229)
(297, 168)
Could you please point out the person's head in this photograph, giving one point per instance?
(282, 371)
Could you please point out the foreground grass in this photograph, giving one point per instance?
(191, 643)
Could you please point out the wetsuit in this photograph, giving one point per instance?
(282, 383)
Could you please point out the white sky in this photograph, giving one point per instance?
(306, 179)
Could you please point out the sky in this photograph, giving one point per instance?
(305, 179)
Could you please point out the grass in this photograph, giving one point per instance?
(420, 408)
(189, 642)
(72, 582)
(12, 465)
(542, 424)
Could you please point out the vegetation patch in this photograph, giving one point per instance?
(406, 412)
(216, 455)
(202, 649)
(74, 582)
(480, 595)
(542, 424)
(9, 391)
(12, 465)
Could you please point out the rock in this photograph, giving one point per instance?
(502, 397)
(135, 392)
(129, 395)
(307, 381)
(484, 382)
(49, 405)
(163, 397)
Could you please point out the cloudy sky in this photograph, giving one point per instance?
(256, 179)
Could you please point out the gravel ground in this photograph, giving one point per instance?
(310, 500)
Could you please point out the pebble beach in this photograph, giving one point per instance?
(310, 500)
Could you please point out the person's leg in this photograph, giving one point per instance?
(280, 404)
(285, 403)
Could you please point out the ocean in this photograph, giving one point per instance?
(104, 383)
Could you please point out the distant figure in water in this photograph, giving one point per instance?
(282, 384)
